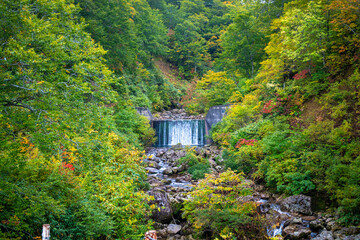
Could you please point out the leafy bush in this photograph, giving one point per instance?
(135, 128)
(197, 166)
(216, 204)
(215, 88)
(199, 170)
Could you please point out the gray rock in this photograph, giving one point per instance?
(199, 151)
(297, 220)
(182, 168)
(158, 225)
(181, 154)
(173, 228)
(296, 232)
(264, 196)
(316, 225)
(168, 171)
(219, 168)
(160, 154)
(308, 218)
(212, 162)
(297, 204)
(351, 230)
(153, 164)
(325, 235)
(156, 184)
(347, 233)
(353, 237)
(162, 233)
(152, 170)
(169, 154)
(163, 211)
(332, 226)
(166, 181)
(259, 188)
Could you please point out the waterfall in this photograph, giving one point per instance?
(186, 132)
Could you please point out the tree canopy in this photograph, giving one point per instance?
(72, 143)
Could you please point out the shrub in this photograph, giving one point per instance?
(217, 204)
(197, 166)
(199, 170)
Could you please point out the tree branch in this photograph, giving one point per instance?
(351, 29)
(28, 89)
(17, 104)
(68, 139)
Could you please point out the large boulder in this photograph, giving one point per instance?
(325, 235)
(297, 204)
(152, 170)
(182, 167)
(347, 233)
(316, 225)
(173, 228)
(169, 154)
(353, 237)
(176, 201)
(212, 162)
(168, 171)
(296, 232)
(163, 211)
(153, 164)
(180, 154)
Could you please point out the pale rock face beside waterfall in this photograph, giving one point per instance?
(186, 132)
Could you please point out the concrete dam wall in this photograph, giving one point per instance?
(145, 112)
(215, 115)
(186, 132)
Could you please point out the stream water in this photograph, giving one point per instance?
(172, 180)
(274, 229)
(186, 132)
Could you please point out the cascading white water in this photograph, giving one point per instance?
(277, 228)
(186, 132)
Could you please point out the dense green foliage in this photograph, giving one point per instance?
(217, 205)
(239, 51)
(213, 89)
(194, 31)
(197, 166)
(133, 34)
(68, 140)
(290, 69)
(296, 126)
(71, 142)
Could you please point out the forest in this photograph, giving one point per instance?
(72, 143)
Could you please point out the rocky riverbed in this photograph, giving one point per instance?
(290, 218)
(170, 185)
(175, 114)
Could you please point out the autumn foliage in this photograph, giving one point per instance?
(218, 204)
